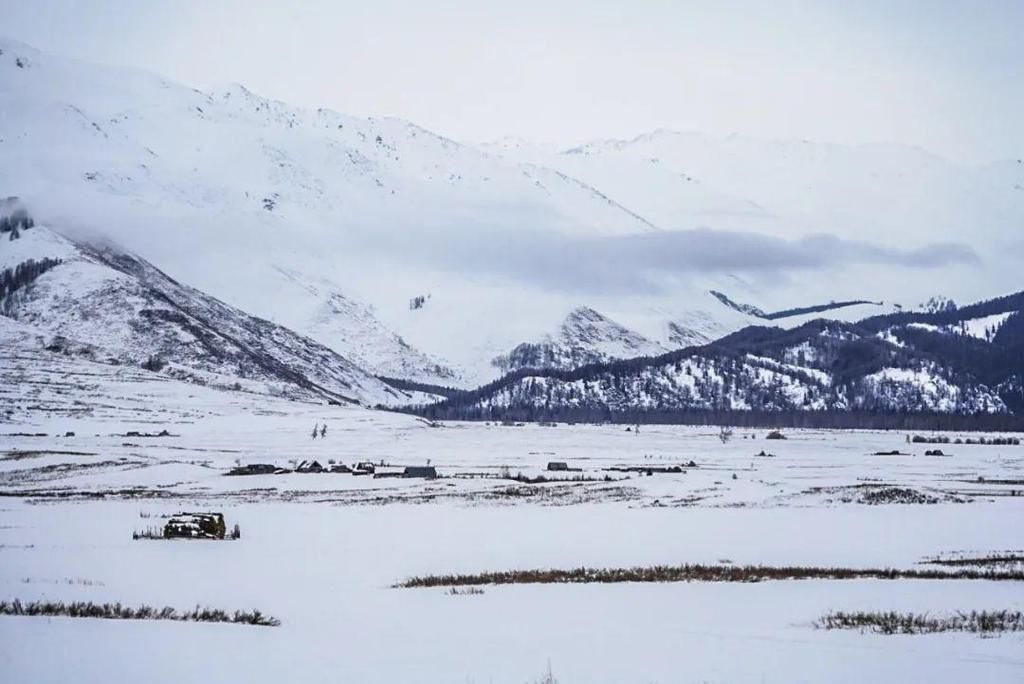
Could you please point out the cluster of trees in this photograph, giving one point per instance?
(154, 364)
(999, 363)
(943, 439)
(820, 308)
(19, 277)
(545, 355)
(700, 385)
(15, 222)
(526, 355)
(786, 313)
(749, 309)
(948, 316)
(746, 419)
(425, 387)
(847, 352)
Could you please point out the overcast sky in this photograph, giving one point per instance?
(942, 74)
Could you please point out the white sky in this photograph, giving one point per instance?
(946, 75)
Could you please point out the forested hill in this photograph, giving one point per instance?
(752, 310)
(961, 366)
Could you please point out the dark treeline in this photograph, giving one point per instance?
(742, 308)
(15, 222)
(988, 307)
(528, 355)
(848, 352)
(787, 313)
(413, 386)
(804, 310)
(848, 420)
(21, 276)
(850, 360)
(998, 364)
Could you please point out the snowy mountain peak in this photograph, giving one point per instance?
(585, 327)
(585, 336)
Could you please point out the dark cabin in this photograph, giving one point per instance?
(428, 472)
(254, 469)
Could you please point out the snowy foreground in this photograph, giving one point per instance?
(322, 551)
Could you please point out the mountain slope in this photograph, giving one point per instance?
(161, 168)
(875, 192)
(371, 212)
(911, 363)
(107, 305)
(585, 337)
(341, 221)
(323, 313)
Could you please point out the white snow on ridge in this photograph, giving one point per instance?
(888, 336)
(923, 389)
(819, 375)
(868, 191)
(111, 307)
(585, 336)
(984, 328)
(34, 245)
(323, 313)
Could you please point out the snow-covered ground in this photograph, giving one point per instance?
(322, 551)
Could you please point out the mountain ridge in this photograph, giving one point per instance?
(378, 212)
(881, 365)
(107, 304)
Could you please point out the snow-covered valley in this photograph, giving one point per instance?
(321, 552)
(387, 357)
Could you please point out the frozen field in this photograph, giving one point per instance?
(322, 551)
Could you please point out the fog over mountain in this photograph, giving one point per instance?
(228, 191)
(404, 242)
(536, 341)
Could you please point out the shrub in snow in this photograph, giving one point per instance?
(195, 526)
(115, 611)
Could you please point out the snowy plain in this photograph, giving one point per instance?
(322, 552)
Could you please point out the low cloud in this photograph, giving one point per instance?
(640, 263)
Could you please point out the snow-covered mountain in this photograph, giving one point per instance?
(585, 336)
(875, 192)
(957, 361)
(318, 195)
(323, 313)
(332, 225)
(106, 305)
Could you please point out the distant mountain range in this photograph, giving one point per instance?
(901, 369)
(102, 304)
(323, 259)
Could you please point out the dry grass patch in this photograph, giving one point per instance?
(700, 573)
(977, 622)
(991, 560)
(116, 611)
